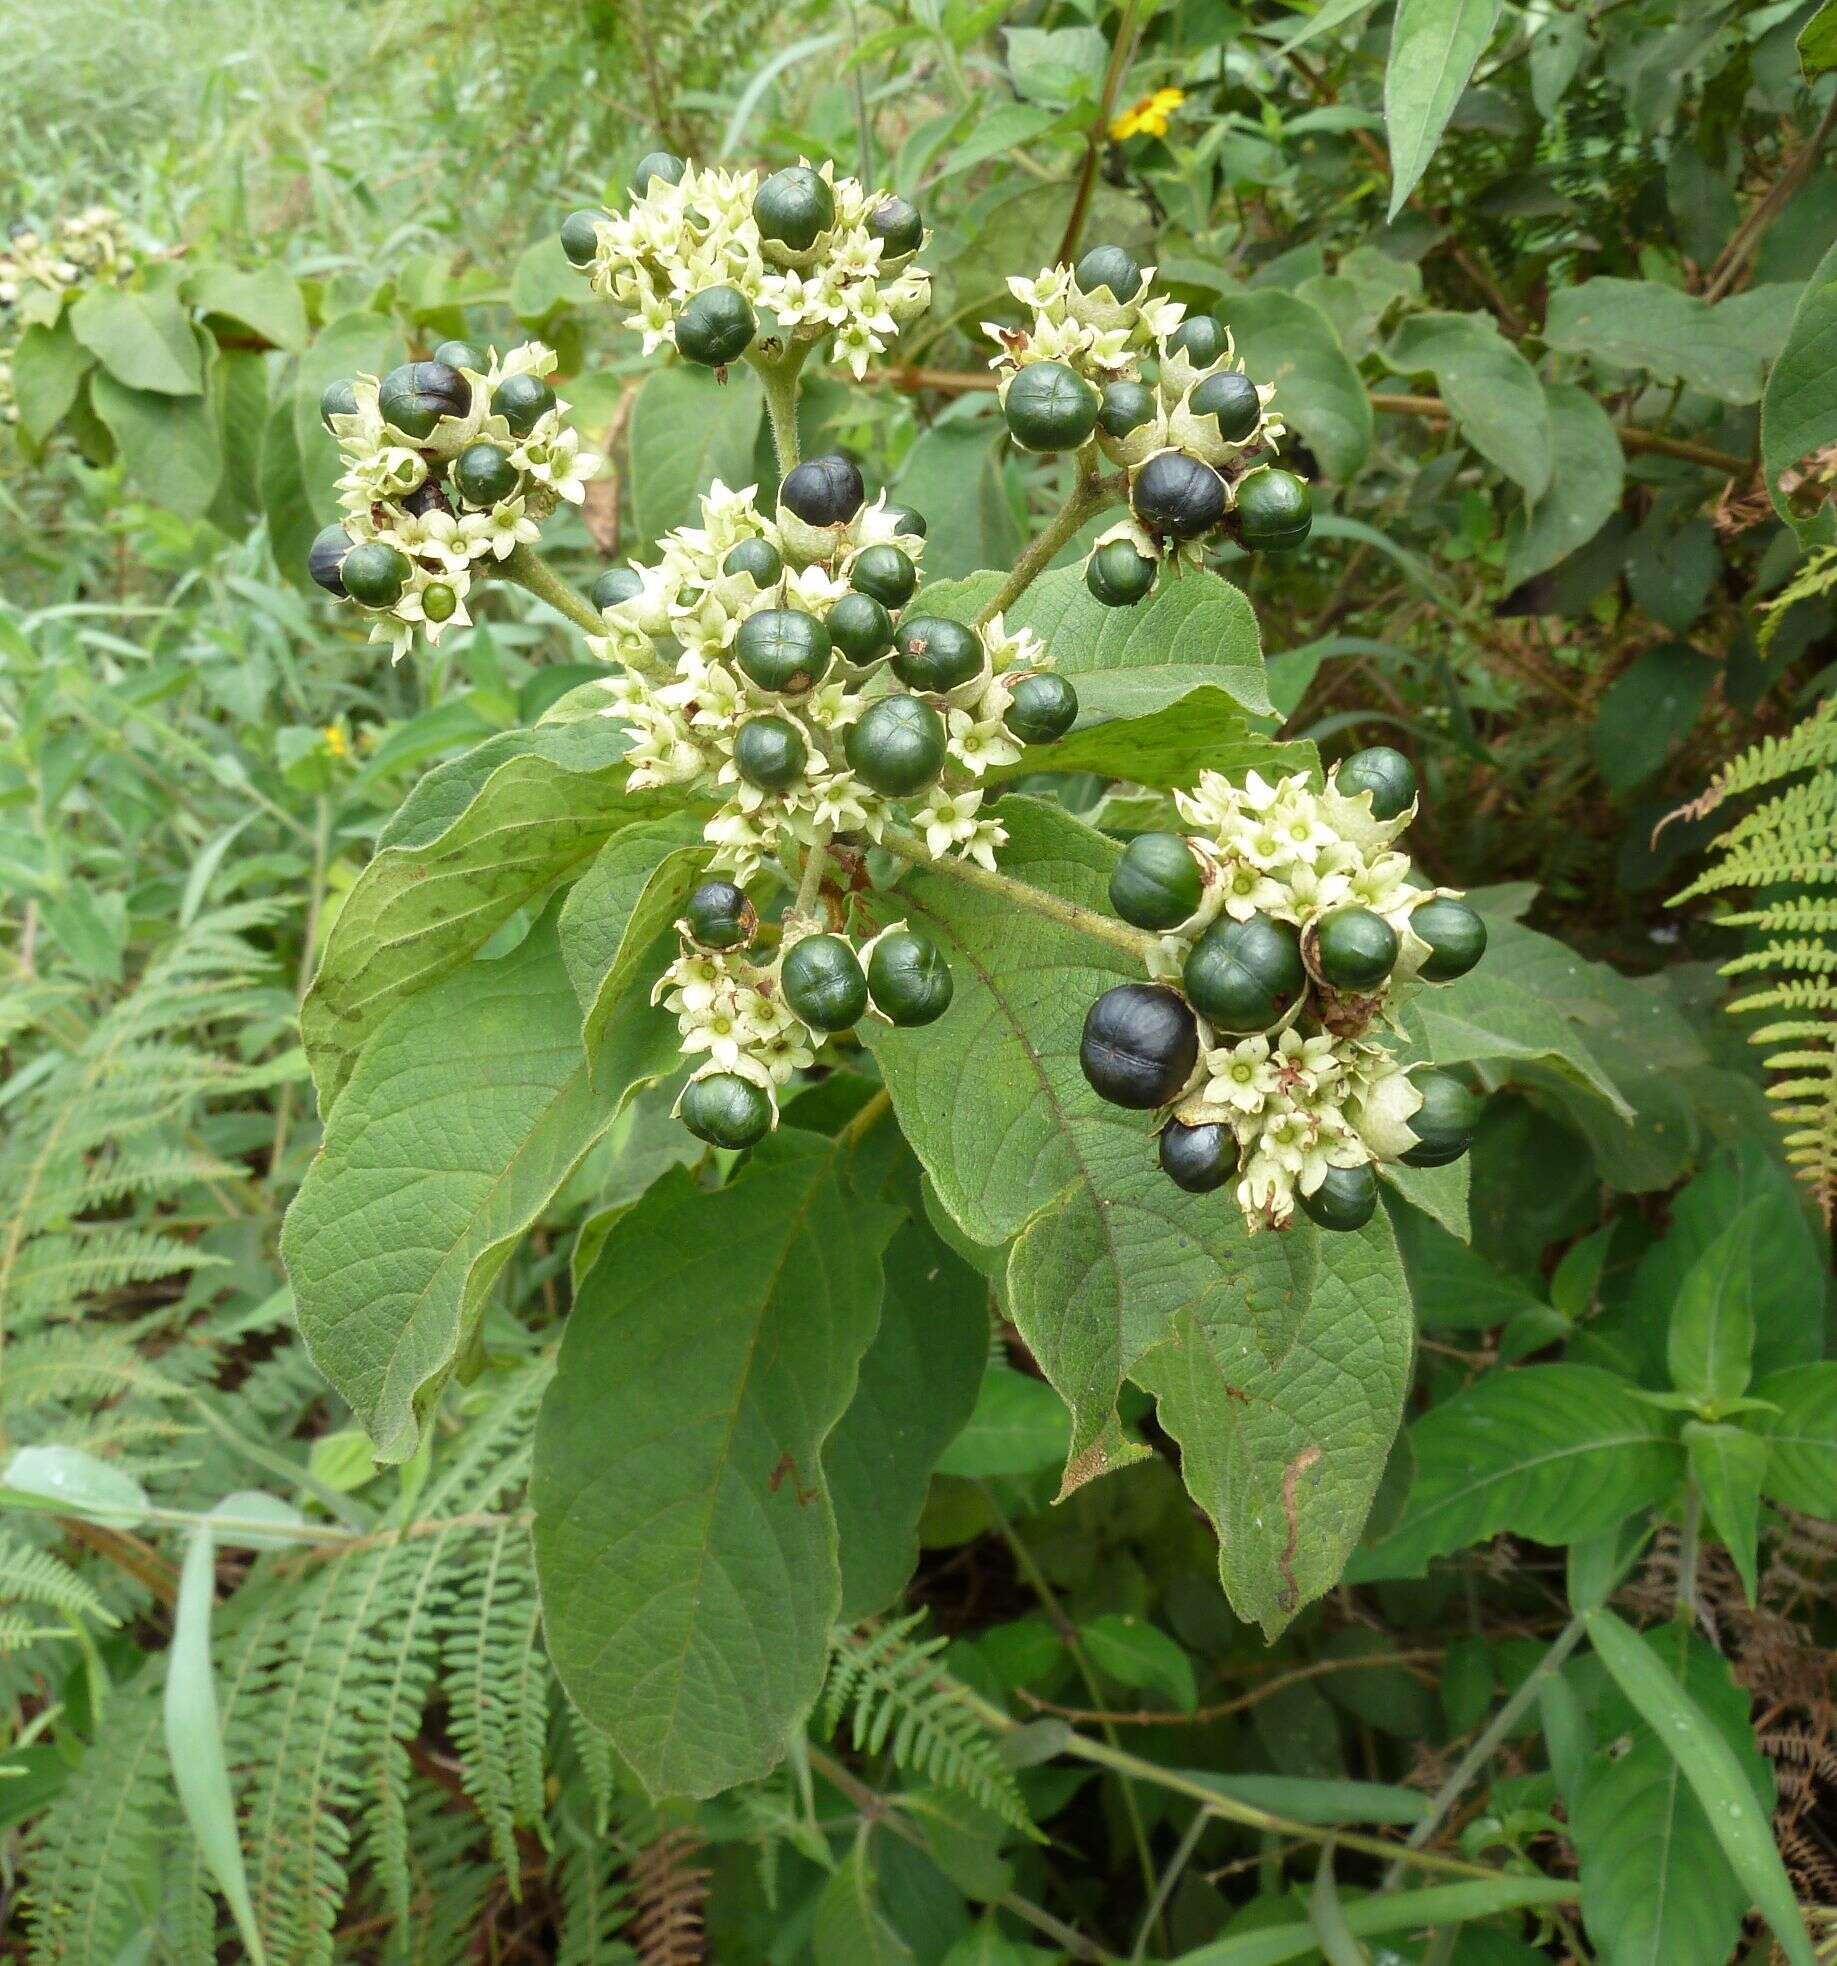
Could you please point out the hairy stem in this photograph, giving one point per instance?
(531, 572)
(780, 375)
(1089, 495)
(810, 885)
(1690, 1536)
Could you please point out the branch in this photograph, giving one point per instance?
(530, 571)
(1748, 234)
(1632, 438)
(1088, 496)
(1120, 51)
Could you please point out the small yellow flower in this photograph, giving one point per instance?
(335, 741)
(1149, 116)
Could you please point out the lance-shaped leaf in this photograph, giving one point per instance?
(1797, 417)
(1290, 342)
(1801, 1437)
(1434, 45)
(685, 1537)
(466, 1112)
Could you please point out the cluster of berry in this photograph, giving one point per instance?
(80, 248)
(449, 465)
(757, 1023)
(712, 261)
(1287, 930)
(1197, 439)
(775, 660)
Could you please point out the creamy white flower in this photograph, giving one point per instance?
(947, 819)
(978, 744)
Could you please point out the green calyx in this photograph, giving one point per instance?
(1158, 883)
(896, 746)
(1243, 977)
(1355, 950)
(823, 983)
(1050, 407)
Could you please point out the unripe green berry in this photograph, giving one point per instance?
(823, 983)
(1041, 708)
(1456, 936)
(374, 574)
(1355, 950)
(896, 746)
(580, 238)
(1158, 883)
(1346, 1199)
(770, 752)
(726, 1110)
(522, 401)
(885, 573)
(484, 475)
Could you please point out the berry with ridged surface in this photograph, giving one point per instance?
(326, 557)
(1456, 937)
(823, 983)
(1347, 1199)
(720, 916)
(770, 752)
(716, 327)
(823, 491)
(1355, 950)
(417, 395)
(1041, 709)
(374, 574)
(1177, 496)
(896, 746)
(1119, 576)
(726, 1110)
(522, 401)
(1198, 1158)
(1387, 775)
(1231, 401)
(884, 574)
(1158, 883)
(1050, 407)
(860, 627)
(1109, 267)
(1274, 512)
(461, 355)
(1444, 1123)
(794, 207)
(1139, 1046)
(1243, 977)
(933, 654)
(783, 649)
(484, 475)
(1126, 406)
(908, 978)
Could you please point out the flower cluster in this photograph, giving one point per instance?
(449, 466)
(774, 661)
(709, 261)
(1285, 928)
(37, 269)
(1103, 361)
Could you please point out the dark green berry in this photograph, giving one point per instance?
(1244, 976)
(1139, 1046)
(337, 399)
(823, 491)
(905, 518)
(823, 983)
(770, 752)
(1177, 496)
(1346, 1199)
(1456, 937)
(580, 237)
(726, 1110)
(885, 573)
(1111, 267)
(758, 557)
(1041, 708)
(1118, 575)
(783, 649)
(795, 207)
(484, 474)
(896, 746)
(326, 557)
(522, 401)
(1387, 775)
(1230, 399)
(417, 395)
(374, 574)
(656, 164)
(1158, 883)
(1126, 406)
(1050, 407)
(1445, 1121)
(1201, 339)
(931, 653)
(909, 979)
(616, 584)
(439, 602)
(1355, 950)
(1274, 511)
(720, 916)
(461, 355)
(1198, 1158)
(716, 327)
(860, 627)
(897, 226)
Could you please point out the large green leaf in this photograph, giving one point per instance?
(1434, 45)
(49, 365)
(849, 1928)
(1553, 1452)
(1588, 473)
(144, 340)
(685, 1538)
(464, 1115)
(169, 446)
(478, 839)
(1710, 1339)
(1802, 1438)
(952, 476)
(1717, 347)
(266, 300)
(687, 430)
(1798, 410)
(1291, 343)
(1169, 747)
(1492, 390)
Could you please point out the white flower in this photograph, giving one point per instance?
(507, 526)
(978, 745)
(947, 819)
(1240, 1076)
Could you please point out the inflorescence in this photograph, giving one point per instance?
(79, 250)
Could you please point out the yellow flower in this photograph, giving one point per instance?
(1149, 116)
(335, 741)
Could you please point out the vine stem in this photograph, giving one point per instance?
(1089, 495)
(810, 885)
(1068, 914)
(531, 572)
(1690, 1536)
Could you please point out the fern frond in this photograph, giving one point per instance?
(1816, 958)
(1808, 746)
(1803, 914)
(36, 1577)
(669, 1889)
(1788, 996)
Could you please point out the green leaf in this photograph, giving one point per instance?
(1649, 709)
(1721, 1785)
(1677, 337)
(478, 839)
(1710, 1341)
(466, 1111)
(1817, 43)
(687, 430)
(1291, 343)
(1441, 1193)
(918, 1385)
(1434, 45)
(144, 340)
(1169, 747)
(72, 1481)
(849, 1928)
(987, 1947)
(685, 1537)
(1137, 1654)
(49, 365)
(1317, 1799)
(544, 280)
(1019, 1426)
(194, 1739)
(1587, 476)
(1730, 1465)
(1456, 1289)
(1491, 389)
(1802, 1438)
(266, 300)
(169, 445)
(1798, 410)
(1552, 1452)
(952, 475)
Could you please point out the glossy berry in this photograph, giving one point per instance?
(438, 601)
(337, 399)
(906, 518)
(795, 207)
(909, 979)
(1177, 496)
(823, 491)
(896, 746)
(1445, 1121)
(1198, 1158)
(823, 983)
(426, 497)
(656, 164)
(1050, 407)
(1346, 1199)
(1158, 883)
(1274, 512)
(1387, 775)
(726, 1110)
(580, 238)
(1201, 339)
(417, 395)
(1139, 1047)
(1243, 976)
(1119, 576)
(461, 355)
(1041, 709)
(897, 226)
(720, 916)
(885, 574)
(783, 649)
(1111, 267)
(1456, 937)
(483, 474)
(1126, 406)
(374, 574)
(616, 584)
(933, 654)
(326, 557)
(770, 752)
(1355, 949)
(860, 627)
(522, 401)
(716, 327)
(1230, 399)
(758, 557)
